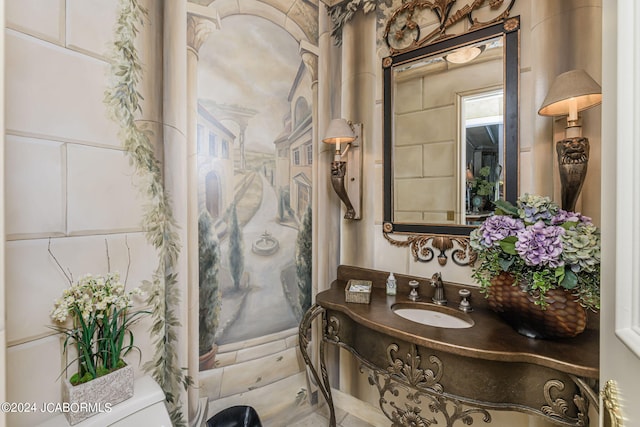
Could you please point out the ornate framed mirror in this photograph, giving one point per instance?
(450, 127)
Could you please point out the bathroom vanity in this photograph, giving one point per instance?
(451, 375)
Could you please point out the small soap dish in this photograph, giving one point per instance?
(358, 291)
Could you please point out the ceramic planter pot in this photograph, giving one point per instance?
(98, 395)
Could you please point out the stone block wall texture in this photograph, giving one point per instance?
(68, 182)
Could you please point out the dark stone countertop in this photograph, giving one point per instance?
(490, 338)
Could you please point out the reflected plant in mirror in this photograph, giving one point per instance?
(482, 192)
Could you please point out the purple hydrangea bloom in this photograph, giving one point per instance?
(563, 216)
(540, 244)
(497, 227)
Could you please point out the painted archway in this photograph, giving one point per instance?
(241, 356)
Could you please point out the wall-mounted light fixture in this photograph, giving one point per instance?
(346, 168)
(570, 93)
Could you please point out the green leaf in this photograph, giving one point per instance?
(570, 280)
(508, 245)
(505, 208)
(568, 225)
(505, 263)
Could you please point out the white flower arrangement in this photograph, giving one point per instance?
(98, 307)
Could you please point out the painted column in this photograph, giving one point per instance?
(310, 58)
(174, 132)
(309, 55)
(326, 237)
(359, 62)
(198, 30)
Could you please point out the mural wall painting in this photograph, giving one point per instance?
(254, 189)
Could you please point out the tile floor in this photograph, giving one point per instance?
(320, 418)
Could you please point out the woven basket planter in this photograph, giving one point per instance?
(563, 317)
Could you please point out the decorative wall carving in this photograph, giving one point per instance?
(403, 30)
(402, 23)
(422, 247)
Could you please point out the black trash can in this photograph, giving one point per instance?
(235, 416)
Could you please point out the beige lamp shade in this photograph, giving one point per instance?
(571, 92)
(338, 132)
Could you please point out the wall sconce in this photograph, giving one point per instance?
(570, 93)
(346, 172)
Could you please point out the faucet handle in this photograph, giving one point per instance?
(413, 295)
(464, 302)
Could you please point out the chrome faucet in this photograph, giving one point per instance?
(438, 296)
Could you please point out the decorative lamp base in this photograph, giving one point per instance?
(573, 159)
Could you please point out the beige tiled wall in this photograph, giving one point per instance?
(66, 179)
(426, 156)
(3, 341)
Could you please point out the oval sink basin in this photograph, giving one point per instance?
(433, 315)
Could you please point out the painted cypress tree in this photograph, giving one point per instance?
(236, 254)
(209, 263)
(304, 262)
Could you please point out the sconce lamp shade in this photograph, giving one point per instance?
(338, 132)
(571, 92)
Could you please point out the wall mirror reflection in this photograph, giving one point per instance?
(451, 131)
(481, 154)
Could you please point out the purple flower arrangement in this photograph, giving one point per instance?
(542, 246)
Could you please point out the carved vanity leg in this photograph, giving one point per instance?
(323, 385)
(557, 406)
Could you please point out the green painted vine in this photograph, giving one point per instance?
(123, 101)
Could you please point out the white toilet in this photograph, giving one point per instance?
(145, 408)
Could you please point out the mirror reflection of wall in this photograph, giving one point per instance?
(482, 159)
(431, 135)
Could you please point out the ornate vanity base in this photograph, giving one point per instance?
(303, 339)
(450, 378)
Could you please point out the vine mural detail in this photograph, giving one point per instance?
(123, 101)
(342, 13)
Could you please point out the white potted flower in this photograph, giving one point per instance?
(95, 315)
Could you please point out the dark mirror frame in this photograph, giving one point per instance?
(511, 118)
